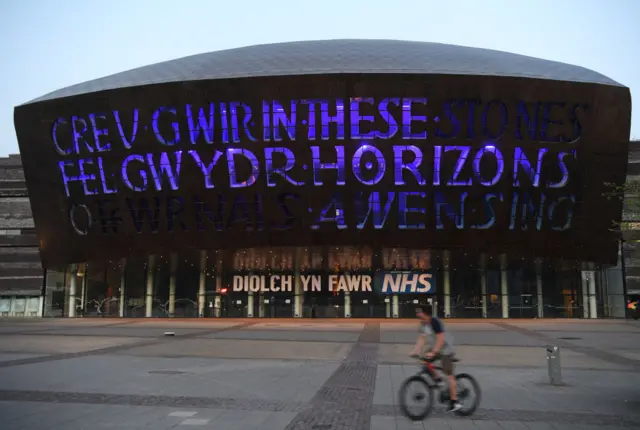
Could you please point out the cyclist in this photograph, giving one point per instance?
(441, 344)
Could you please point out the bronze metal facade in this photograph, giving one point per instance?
(573, 135)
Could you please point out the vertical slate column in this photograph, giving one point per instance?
(83, 289)
(297, 284)
(218, 300)
(123, 274)
(173, 265)
(261, 300)
(202, 283)
(540, 298)
(504, 286)
(584, 284)
(347, 304)
(73, 280)
(250, 305)
(593, 303)
(589, 298)
(395, 307)
(149, 296)
(447, 283)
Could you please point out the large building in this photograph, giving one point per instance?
(343, 178)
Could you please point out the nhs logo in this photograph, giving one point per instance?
(407, 282)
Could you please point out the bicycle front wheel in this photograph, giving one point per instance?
(416, 398)
(469, 395)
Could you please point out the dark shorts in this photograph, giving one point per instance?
(447, 361)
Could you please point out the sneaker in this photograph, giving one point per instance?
(454, 407)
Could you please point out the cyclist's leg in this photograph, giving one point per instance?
(442, 374)
(432, 372)
(448, 369)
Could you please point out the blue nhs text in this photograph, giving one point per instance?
(407, 283)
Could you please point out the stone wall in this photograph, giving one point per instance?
(21, 273)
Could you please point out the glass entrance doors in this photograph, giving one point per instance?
(524, 307)
(276, 305)
(323, 305)
(233, 305)
(367, 305)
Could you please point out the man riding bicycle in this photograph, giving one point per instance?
(441, 344)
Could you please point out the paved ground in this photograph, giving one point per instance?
(315, 375)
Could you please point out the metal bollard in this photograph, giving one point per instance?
(553, 364)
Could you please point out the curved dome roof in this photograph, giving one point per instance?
(338, 56)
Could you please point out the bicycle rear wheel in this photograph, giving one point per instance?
(417, 389)
(469, 394)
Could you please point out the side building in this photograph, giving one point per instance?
(21, 273)
(630, 260)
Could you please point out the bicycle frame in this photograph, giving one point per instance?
(430, 367)
(430, 370)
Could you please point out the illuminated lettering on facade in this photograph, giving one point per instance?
(399, 152)
(385, 282)
(284, 283)
(406, 282)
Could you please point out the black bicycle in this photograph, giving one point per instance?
(421, 388)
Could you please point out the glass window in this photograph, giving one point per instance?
(561, 290)
(100, 289)
(465, 294)
(494, 289)
(161, 275)
(114, 281)
(521, 287)
(187, 283)
(56, 292)
(94, 291)
(135, 276)
(611, 284)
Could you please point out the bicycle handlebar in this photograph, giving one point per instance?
(423, 358)
(432, 359)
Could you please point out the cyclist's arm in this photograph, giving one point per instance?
(438, 330)
(417, 349)
(439, 343)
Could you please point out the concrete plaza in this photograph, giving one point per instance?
(306, 374)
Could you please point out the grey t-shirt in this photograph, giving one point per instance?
(430, 331)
